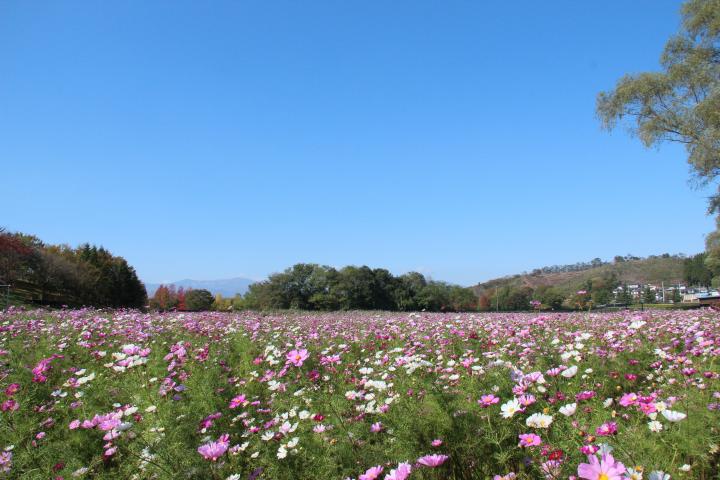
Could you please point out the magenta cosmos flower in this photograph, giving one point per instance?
(432, 461)
(214, 450)
(606, 429)
(604, 469)
(237, 401)
(297, 357)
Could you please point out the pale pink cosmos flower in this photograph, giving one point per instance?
(507, 476)
(436, 443)
(400, 473)
(376, 427)
(432, 461)
(604, 469)
(372, 473)
(5, 461)
(214, 450)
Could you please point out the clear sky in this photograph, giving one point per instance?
(235, 138)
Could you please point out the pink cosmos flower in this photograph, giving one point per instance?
(487, 400)
(5, 461)
(509, 476)
(647, 408)
(606, 429)
(237, 401)
(400, 473)
(297, 357)
(214, 450)
(529, 440)
(12, 389)
(9, 405)
(436, 443)
(604, 469)
(628, 399)
(372, 473)
(130, 349)
(589, 449)
(586, 395)
(376, 427)
(526, 400)
(432, 461)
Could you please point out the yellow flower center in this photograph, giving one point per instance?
(603, 476)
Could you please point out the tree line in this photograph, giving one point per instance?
(59, 275)
(167, 297)
(318, 287)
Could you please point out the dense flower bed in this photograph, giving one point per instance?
(93, 394)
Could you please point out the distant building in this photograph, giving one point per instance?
(707, 297)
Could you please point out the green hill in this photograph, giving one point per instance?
(569, 279)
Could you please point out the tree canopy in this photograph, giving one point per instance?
(319, 287)
(62, 275)
(681, 102)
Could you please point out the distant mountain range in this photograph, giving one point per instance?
(227, 287)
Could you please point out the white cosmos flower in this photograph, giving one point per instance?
(569, 372)
(282, 452)
(569, 409)
(673, 416)
(539, 420)
(80, 472)
(510, 408)
(655, 426)
(659, 475)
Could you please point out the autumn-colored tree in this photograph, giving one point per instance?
(181, 299)
(165, 298)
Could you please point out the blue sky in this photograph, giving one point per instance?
(219, 139)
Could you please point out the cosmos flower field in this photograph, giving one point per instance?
(359, 395)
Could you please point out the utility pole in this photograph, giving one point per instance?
(642, 298)
(663, 288)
